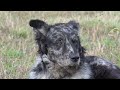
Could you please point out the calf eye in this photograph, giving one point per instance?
(75, 40)
(59, 43)
(60, 40)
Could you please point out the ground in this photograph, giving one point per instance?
(100, 35)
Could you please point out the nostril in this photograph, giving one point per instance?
(75, 59)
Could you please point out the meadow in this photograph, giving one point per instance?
(99, 34)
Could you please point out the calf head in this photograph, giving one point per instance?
(60, 42)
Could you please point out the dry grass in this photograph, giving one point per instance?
(100, 35)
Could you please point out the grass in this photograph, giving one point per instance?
(100, 35)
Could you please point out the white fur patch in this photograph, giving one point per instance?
(103, 62)
(42, 75)
(42, 31)
(69, 46)
(83, 73)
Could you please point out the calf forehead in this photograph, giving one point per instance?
(61, 30)
(55, 34)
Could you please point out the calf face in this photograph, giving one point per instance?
(60, 42)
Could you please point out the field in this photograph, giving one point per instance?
(99, 32)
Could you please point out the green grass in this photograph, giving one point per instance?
(99, 32)
(12, 53)
(22, 33)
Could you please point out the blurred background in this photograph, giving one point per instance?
(99, 34)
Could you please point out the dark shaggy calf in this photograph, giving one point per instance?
(61, 56)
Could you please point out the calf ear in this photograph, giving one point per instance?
(74, 25)
(39, 26)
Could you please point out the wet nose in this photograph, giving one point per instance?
(75, 59)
